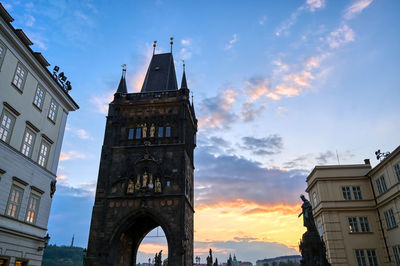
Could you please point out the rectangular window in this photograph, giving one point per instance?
(160, 132)
(353, 225)
(168, 132)
(43, 153)
(381, 184)
(131, 133)
(346, 193)
(6, 126)
(390, 219)
(2, 53)
(314, 195)
(39, 97)
(373, 261)
(360, 256)
(19, 77)
(14, 201)
(357, 193)
(53, 111)
(396, 252)
(364, 224)
(397, 170)
(319, 228)
(32, 209)
(28, 142)
(138, 133)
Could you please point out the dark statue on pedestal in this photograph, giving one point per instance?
(312, 247)
(158, 259)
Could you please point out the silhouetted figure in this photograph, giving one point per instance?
(312, 247)
(158, 259)
(216, 262)
(209, 259)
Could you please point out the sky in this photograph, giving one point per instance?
(279, 87)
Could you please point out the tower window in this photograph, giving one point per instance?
(131, 132)
(138, 133)
(160, 132)
(167, 132)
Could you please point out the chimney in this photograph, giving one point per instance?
(366, 161)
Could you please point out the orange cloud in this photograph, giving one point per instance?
(71, 155)
(152, 248)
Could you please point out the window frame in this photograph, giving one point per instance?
(39, 87)
(20, 89)
(381, 184)
(397, 170)
(315, 199)
(357, 192)
(45, 143)
(168, 131)
(360, 257)
(372, 258)
(3, 55)
(396, 253)
(353, 225)
(346, 192)
(160, 132)
(51, 111)
(35, 210)
(17, 203)
(33, 134)
(364, 224)
(13, 119)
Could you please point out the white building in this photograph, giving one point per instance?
(33, 112)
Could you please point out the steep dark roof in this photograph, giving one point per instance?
(160, 74)
(184, 83)
(122, 84)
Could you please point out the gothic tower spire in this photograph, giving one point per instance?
(184, 83)
(122, 83)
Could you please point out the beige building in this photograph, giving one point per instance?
(357, 211)
(34, 105)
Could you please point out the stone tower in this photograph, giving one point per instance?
(146, 170)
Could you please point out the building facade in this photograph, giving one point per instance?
(288, 260)
(33, 112)
(357, 211)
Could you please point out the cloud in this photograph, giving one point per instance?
(309, 5)
(324, 157)
(230, 44)
(79, 132)
(37, 39)
(102, 101)
(263, 146)
(313, 5)
(29, 20)
(71, 155)
(139, 74)
(282, 111)
(216, 112)
(356, 8)
(250, 112)
(186, 42)
(342, 35)
(244, 178)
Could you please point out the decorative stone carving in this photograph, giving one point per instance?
(151, 185)
(152, 130)
(52, 188)
(158, 186)
(144, 129)
(137, 185)
(131, 187)
(144, 177)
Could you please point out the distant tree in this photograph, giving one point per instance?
(274, 264)
(266, 264)
(62, 256)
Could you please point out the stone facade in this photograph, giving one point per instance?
(145, 177)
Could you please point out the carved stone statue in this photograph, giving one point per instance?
(158, 259)
(152, 130)
(131, 187)
(144, 129)
(145, 176)
(137, 185)
(312, 246)
(151, 185)
(308, 219)
(158, 186)
(52, 188)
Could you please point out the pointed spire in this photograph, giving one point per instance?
(184, 83)
(122, 84)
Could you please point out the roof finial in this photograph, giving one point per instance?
(184, 83)
(172, 42)
(154, 47)
(123, 69)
